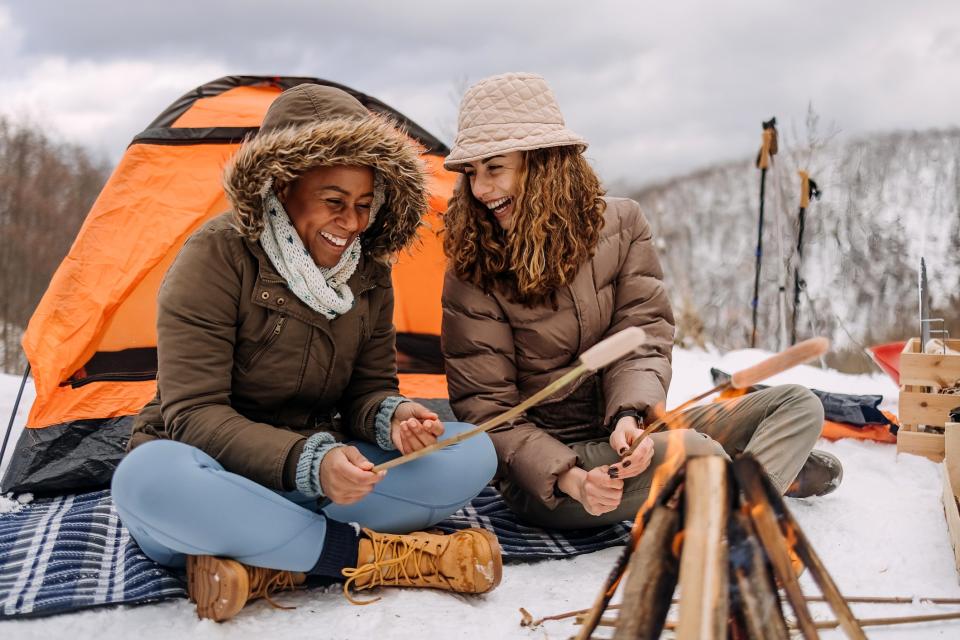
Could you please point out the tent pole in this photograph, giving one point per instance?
(13, 414)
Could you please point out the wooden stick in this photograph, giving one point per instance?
(768, 530)
(760, 604)
(651, 578)
(796, 355)
(851, 599)
(671, 625)
(617, 346)
(704, 584)
(810, 558)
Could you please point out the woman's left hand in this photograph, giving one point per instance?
(414, 427)
(625, 433)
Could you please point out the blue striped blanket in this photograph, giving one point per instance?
(71, 552)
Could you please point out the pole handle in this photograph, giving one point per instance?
(804, 189)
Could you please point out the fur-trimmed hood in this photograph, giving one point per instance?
(283, 154)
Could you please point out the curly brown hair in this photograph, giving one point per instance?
(558, 214)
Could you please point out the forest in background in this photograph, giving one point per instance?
(887, 199)
(46, 188)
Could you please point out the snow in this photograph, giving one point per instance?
(882, 533)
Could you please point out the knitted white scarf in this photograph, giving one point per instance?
(323, 290)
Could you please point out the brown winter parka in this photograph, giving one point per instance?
(499, 352)
(246, 370)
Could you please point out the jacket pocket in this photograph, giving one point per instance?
(262, 349)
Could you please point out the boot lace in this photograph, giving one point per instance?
(266, 582)
(396, 562)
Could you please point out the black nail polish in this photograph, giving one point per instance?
(623, 450)
(626, 463)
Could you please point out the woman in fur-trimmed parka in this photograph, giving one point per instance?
(277, 387)
(542, 267)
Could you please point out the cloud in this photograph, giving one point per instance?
(656, 92)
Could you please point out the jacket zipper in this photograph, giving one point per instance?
(266, 345)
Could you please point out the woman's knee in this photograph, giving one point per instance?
(807, 407)
(700, 444)
(154, 472)
(476, 455)
(462, 470)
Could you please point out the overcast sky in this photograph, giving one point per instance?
(658, 88)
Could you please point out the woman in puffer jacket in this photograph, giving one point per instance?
(277, 383)
(543, 267)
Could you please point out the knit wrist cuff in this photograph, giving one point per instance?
(308, 467)
(384, 415)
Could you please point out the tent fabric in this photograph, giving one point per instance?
(102, 299)
(91, 342)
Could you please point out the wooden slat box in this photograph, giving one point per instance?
(922, 376)
(951, 486)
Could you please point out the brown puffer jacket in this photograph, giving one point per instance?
(499, 352)
(246, 370)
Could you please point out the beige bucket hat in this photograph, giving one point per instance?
(508, 112)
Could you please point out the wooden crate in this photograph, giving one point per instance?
(922, 376)
(951, 486)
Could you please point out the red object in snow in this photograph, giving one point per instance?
(887, 357)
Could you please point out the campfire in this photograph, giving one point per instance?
(721, 534)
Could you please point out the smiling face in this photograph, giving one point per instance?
(329, 207)
(493, 181)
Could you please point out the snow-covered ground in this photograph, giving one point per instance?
(881, 533)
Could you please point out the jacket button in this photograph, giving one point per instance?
(265, 295)
(281, 300)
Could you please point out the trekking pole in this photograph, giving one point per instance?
(596, 357)
(768, 148)
(808, 189)
(13, 414)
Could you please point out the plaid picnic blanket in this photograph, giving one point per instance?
(71, 552)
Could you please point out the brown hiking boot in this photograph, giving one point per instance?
(220, 587)
(821, 474)
(467, 561)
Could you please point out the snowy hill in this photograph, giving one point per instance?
(882, 533)
(887, 200)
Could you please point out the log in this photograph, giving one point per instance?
(756, 593)
(811, 559)
(669, 497)
(750, 478)
(651, 578)
(704, 586)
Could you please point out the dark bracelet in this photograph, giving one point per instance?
(621, 414)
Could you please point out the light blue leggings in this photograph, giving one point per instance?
(176, 500)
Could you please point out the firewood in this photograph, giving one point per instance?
(669, 496)
(810, 558)
(704, 583)
(651, 578)
(755, 591)
(749, 476)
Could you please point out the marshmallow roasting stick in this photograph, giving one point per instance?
(617, 346)
(797, 354)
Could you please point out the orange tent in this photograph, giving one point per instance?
(91, 342)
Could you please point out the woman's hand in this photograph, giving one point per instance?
(414, 427)
(346, 476)
(594, 489)
(625, 433)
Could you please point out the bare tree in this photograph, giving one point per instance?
(46, 189)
